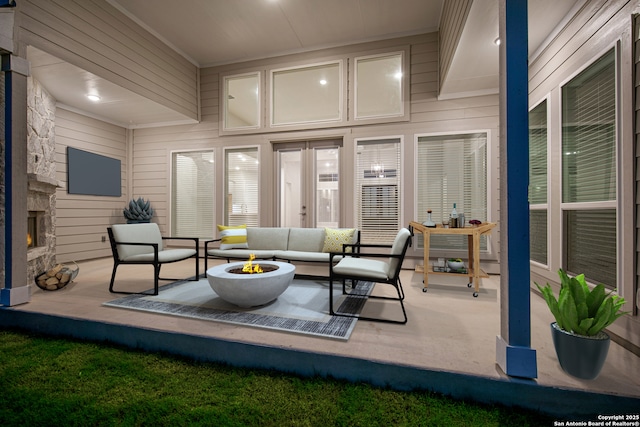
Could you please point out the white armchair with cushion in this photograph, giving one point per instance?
(360, 263)
(143, 244)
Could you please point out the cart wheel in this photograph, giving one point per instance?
(424, 289)
(475, 295)
(469, 285)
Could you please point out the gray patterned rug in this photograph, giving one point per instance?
(303, 308)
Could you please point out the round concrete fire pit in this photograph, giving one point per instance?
(250, 290)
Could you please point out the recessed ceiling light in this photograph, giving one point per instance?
(323, 82)
(94, 98)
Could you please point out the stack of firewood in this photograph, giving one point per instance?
(55, 278)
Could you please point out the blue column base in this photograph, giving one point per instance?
(14, 296)
(516, 361)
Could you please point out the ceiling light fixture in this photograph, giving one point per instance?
(94, 98)
(323, 82)
(497, 41)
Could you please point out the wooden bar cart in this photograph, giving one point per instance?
(473, 234)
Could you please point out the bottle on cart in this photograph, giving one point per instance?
(454, 217)
(429, 223)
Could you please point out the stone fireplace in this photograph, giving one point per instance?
(42, 182)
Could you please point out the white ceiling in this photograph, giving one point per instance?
(214, 32)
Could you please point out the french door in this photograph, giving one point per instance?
(308, 183)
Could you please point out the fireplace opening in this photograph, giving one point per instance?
(32, 230)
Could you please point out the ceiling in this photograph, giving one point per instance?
(215, 32)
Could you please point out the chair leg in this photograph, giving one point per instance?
(113, 276)
(156, 277)
(195, 279)
(399, 291)
(331, 296)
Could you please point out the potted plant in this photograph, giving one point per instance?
(455, 263)
(138, 211)
(581, 315)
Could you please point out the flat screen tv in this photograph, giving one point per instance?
(92, 174)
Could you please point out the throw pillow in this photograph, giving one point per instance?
(334, 238)
(233, 237)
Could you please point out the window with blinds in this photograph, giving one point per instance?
(241, 186)
(538, 203)
(378, 189)
(452, 169)
(589, 171)
(192, 194)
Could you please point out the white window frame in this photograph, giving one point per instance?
(608, 204)
(225, 96)
(171, 190)
(390, 234)
(229, 209)
(422, 216)
(341, 94)
(545, 206)
(403, 71)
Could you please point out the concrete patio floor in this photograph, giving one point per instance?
(447, 346)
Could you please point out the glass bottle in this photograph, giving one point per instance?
(454, 217)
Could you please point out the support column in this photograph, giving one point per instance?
(16, 289)
(514, 354)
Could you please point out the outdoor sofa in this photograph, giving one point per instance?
(279, 243)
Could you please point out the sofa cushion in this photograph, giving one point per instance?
(267, 238)
(168, 255)
(336, 237)
(242, 254)
(359, 267)
(306, 239)
(138, 233)
(233, 237)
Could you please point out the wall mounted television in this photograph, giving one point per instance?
(92, 174)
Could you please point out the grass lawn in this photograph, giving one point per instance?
(48, 381)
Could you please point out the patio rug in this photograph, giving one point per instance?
(303, 308)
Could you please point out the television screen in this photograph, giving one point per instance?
(92, 174)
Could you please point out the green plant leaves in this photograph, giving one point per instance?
(552, 303)
(579, 309)
(567, 306)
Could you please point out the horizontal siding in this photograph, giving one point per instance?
(95, 36)
(454, 17)
(82, 221)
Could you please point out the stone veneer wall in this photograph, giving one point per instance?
(41, 170)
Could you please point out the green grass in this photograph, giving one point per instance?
(46, 381)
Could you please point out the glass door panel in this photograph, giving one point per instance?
(327, 202)
(308, 184)
(292, 209)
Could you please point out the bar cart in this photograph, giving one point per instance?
(473, 234)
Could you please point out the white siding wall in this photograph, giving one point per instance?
(98, 38)
(82, 220)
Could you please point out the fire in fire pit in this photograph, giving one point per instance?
(250, 268)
